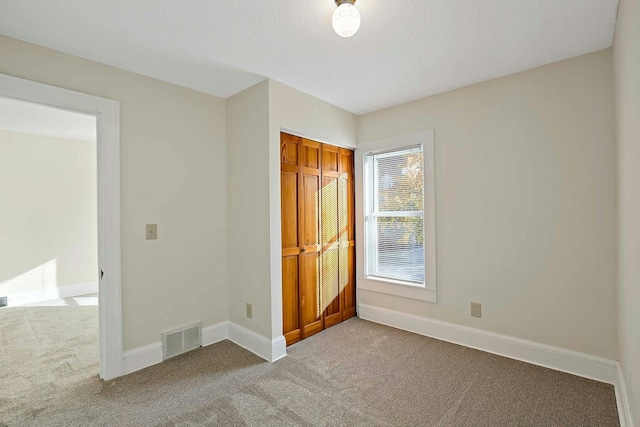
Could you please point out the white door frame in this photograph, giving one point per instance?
(107, 113)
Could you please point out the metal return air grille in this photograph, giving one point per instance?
(181, 340)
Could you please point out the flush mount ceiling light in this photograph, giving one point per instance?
(346, 18)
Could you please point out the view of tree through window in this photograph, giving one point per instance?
(395, 220)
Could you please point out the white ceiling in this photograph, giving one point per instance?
(37, 119)
(405, 49)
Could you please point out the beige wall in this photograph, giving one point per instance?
(173, 173)
(526, 203)
(255, 118)
(626, 55)
(248, 207)
(526, 196)
(48, 213)
(293, 111)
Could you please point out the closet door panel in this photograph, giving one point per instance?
(330, 159)
(331, 262)
(311, 154)
(318, 253)
(289, 206)
(311, 302)
(349, 290)
(289, 189)
(290, 299)
(310, 211)
(309, 263)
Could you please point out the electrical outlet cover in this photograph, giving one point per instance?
(151, 231)
(476, 309)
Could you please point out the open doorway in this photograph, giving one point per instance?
(64, 189)
(49, 316)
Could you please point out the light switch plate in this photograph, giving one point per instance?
(476, 309)
(249, 310)
(151, 231)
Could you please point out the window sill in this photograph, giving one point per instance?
(395, 282)
(401, 289)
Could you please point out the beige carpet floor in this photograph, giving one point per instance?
(45, 349)
(354, 374)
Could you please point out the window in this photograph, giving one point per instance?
(394, 230)
(395, 216)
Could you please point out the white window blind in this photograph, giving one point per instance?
(394, 228)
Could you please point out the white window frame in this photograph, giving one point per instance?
(372, 214)
(427, 290)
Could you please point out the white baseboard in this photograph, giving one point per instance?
(141, 357)
(278, 348)
(48, 294)
(215, 333)
(560, 359)
(622, 399)
(269, 350)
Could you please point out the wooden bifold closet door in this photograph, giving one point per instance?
(318, 251)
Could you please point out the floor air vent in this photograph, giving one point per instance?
(181, 340)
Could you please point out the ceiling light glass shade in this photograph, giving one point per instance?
(346, 20)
